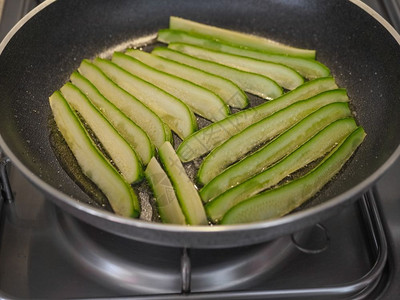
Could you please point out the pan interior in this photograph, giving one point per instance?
(361, 53)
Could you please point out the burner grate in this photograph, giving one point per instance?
(363, 287)
(357, 289)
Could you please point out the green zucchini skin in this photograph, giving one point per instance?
(309, 68)
(242, 143)
(131, 132)
(139, 113)
(282, 200)
(275, 150)
(252, 83)
(121, 196)
(171, 110)
(209, 137)
(238, 38)
(188, 197)
(123, 155)
(167, 203)
(229, 92)
(286, 77)
(316, 147)
(200, 100)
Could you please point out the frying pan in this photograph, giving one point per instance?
(40, 53)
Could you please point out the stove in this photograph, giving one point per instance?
(47, 254)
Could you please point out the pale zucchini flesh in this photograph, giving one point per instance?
(187, 195)
(200, 100)
(252, 83)
(286, 77)
(131, 132)
(229, 92)
(164, 193)
(262, 131)
(238, 38)
(309, 68)
(129, 105)
(282, 200)
(171, 110)
(275, 150)
(209, 137)
(174, 207)
(315, 148)
(117, 148)
(122, 198)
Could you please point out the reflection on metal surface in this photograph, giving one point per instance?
(11, 12)
(4, 179)
(393, 10)
(34, 262)
(46, 254)
(1, 8)
(133, 266)
(317, 240)
(357, 289)
(186, 271)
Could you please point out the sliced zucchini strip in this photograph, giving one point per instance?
(309, 68)
(93, 164)
(202, 101)
(115, 145)
(186, 192)
(229, 92)
(209, 137)
(315, 148)
(275, 150)
(171, 110)
(132, 133)
(282, 200)
(262, 131)
(252, 83)
(286, 77)
(129, 105)
(167, 203)
(238, 38)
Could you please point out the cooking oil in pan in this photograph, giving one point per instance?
(68, 162)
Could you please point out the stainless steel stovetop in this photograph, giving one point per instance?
(46, 254)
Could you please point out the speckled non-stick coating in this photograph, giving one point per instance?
(362, 55)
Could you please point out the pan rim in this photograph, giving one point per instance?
(291, 218)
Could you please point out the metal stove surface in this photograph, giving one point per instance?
(46, 254)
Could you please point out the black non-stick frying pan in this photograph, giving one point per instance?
(40, 53)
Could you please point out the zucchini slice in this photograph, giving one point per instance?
(238, 38)
(229, 92)
(280, 201)
(171, 110)
(315, 148)
(252, 83)
(132, 133)
(186, 192)
(262, 131)
(275, 150)
(209, 137)
(202, 101)
(309, 68)
(93, 164)
(129, 105)
(120, 151)
(286, 77)
(167, 203)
